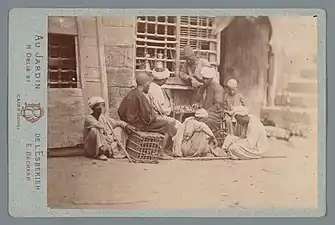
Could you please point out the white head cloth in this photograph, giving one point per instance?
(240, 110)
(208, 72)
(160, 73)
(232, 83)
(95, 100)
(201, 113)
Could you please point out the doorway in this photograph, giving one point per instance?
(245, 57)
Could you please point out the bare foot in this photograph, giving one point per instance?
(102, 157)
(164, 156)
(109, 154)
(208, 154)
(118, 155)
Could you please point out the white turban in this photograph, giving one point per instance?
(95, 100)
(208, 72)
(160, 73)
(201, 113)
(240, 110)
(232, 83)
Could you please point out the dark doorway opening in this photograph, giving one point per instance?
(246, 57)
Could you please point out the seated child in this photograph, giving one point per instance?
(233, 99)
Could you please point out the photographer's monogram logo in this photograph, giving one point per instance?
(32, 112)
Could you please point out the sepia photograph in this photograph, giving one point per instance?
(148, 112)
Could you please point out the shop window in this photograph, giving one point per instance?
(62, 63)
(197, 32)
(164, 38)
(156, 39)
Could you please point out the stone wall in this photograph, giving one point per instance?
(244, 55)
(90, 55)
(65, 117)
(294, 43)
(119, 43)
(295, 49)
(67, 107)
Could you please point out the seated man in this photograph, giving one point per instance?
(232, 99)
(194, 138)
(101, 131)
(160, 98)
(136, 110)
(213, 101)
(255, 143)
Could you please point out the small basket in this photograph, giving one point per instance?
(143, 147)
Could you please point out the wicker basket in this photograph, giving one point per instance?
(143, 147)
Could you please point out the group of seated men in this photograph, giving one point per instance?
(148, 108)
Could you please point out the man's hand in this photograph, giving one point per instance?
(195, 83)
(99, 126)
(130, 129)
(230, 113)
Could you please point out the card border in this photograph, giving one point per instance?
(321, 14)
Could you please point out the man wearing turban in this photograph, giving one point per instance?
(211, 96)
(211, 93)
(255, 142)
(191, 70)
(136, 110)
(99, 141)
(160, 98)
(194, 138)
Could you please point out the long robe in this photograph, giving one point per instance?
(94, 137)
(251, 147)
(162, 103)
(192, 139)
(136, 110)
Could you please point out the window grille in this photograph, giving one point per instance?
(156, 40)
(197, 32)
(164, 37)
(62, 63)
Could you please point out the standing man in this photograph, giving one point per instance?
(136, 110)
(191, 70)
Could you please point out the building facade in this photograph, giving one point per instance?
(91, 56)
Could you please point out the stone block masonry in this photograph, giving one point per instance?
(66, 117)
(119, 45)
(294, 43)
(296, 109)
(119, 77)
(115, 95)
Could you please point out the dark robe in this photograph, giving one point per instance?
(214, 104)
(136, 110)
(214, 99)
